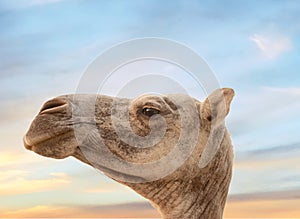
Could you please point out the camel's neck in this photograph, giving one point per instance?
(192, 201)
(202, 196)
(195, 205)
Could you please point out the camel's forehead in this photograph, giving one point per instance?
(164, 98)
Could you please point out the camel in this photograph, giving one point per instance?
(68, 125)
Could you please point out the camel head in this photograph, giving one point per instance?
(172, 149)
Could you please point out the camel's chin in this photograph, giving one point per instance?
(57, 147)
(46, 152)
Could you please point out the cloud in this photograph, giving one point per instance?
(43, 2)
(127, 210)
(271, 153)
(280, 204)
(35, 211)
(267, 169)
(272, 47)
(108, 188)
(9, 158)
(7, 175)
(256, 165)
(14, 182)
(23, 4)
(267, 172)
(263, 196)
(268, 205)
(290, 91)
(263, 108)
(263, 209)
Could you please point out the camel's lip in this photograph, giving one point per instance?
(49, 147)
(29, 142)
(26, 145)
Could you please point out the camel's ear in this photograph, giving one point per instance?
(217, 105)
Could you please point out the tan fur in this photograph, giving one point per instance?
(194, 190)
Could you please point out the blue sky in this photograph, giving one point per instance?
(253, 47)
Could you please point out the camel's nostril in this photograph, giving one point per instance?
(52, 105)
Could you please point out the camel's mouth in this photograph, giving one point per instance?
(59, 146)
(31, 142)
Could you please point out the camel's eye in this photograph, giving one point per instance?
(147, 111)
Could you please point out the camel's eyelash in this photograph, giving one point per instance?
(151, 105)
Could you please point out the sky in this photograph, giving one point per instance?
(251, 46)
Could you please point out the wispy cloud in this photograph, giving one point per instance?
(9, 158)
(23, 4)
(271, 47)
(266, 175)
(19, 158)
(43, 2)
(15, 182)
(107, 188)
(35, 211)
(12, 174)
(257, 206)
(126, 210)
(269, 106)
(251, 163)
(270, 153)
(263, 196)
(262, 170)
(263, 209)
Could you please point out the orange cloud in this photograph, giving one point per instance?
(13, 182)
(273, 163)
(130, 210)
(280, 208)
(8, 158)
(277, 204)
(263, 209)
(108, 187)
